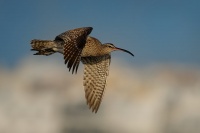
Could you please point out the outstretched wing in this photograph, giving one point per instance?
(96, 70)
(74, 42)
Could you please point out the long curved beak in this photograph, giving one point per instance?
(124, 51)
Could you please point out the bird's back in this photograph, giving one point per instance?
(92, 47)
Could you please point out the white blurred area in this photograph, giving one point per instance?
(41, 96)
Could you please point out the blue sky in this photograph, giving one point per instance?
(156, 31)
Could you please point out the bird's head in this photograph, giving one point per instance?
(109, 47)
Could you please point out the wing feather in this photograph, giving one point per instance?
(74, 42)
(95, 73)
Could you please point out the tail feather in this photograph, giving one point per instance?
(43, 47)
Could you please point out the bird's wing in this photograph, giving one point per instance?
(74, 42)
(96, 70)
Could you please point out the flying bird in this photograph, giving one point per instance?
(77, 46)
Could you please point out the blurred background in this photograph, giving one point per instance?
(157, 91)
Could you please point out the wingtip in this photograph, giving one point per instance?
(89, 29)
(94, 110)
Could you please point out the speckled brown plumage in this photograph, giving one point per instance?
(76, 46)
(43, 47)
(74, 42)
(96, 70)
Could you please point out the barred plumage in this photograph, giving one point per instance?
(74, 43)
(94, 80)
(76, 46)
(44, 47)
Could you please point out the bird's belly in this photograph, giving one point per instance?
(59, 50)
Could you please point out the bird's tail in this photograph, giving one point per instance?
(43, 47)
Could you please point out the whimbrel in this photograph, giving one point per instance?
(77, 46)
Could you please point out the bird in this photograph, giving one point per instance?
(77, 46)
